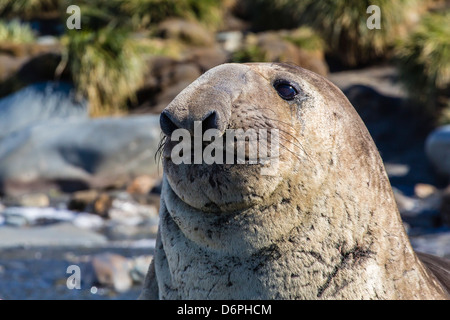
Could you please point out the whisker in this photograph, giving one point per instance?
(159, 150)
(296, 142)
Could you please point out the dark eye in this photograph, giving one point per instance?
(285, 90)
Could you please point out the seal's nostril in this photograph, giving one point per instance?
(166, 124)
(211, 121)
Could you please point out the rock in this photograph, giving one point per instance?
(102, 204)
(131, 213)
(91, 201)
(77, 154)
(165, 79)
(151, 199)
(142, 184)
(129, 219)
(9, 65)
(38, 102)
(139, 267)
(405, 204)
(28, 216)
(42, 68)
(396, 169)
(81, 200)
(112, 270)
(437, 148)
(419, 213)
(207, 58)
(34, 200)
(88, 221)
(60, 234)
(189, 32)
(423, 190)
(231, 41)
(145, 230)
(275, 48)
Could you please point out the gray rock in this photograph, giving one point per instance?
(437, 148)
(60, 234)
(139, 267)
(77, 154)
(37, 102)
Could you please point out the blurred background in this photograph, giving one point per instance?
(79, 118)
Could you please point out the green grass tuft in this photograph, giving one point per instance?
(15, 32)
(107, 67)
(424, 61)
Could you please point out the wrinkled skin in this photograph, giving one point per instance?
(325, 226)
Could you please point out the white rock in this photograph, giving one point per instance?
(230, 40)
(88, 221)
(30, 215)
(131, 213)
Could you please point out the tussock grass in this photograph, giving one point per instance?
(424, 61)
(107, 67)
(15, 32)
(341, 23)
(27, 9)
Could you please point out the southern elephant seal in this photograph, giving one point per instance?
(324, 226)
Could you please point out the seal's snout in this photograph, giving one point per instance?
(208, 100)
(210, 120)
(167, 124)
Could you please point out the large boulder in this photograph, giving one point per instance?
(189, 32)
(274, 46)
(38, 102)
(73, 154)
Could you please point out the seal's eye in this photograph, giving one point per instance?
(285, 90)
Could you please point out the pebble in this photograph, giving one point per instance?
(34, 200)
(112, 270)
(142, 184)
(423, 190)
(131, 213)
(230, 40)
(88, 221)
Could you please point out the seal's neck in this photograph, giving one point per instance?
(306, 244)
